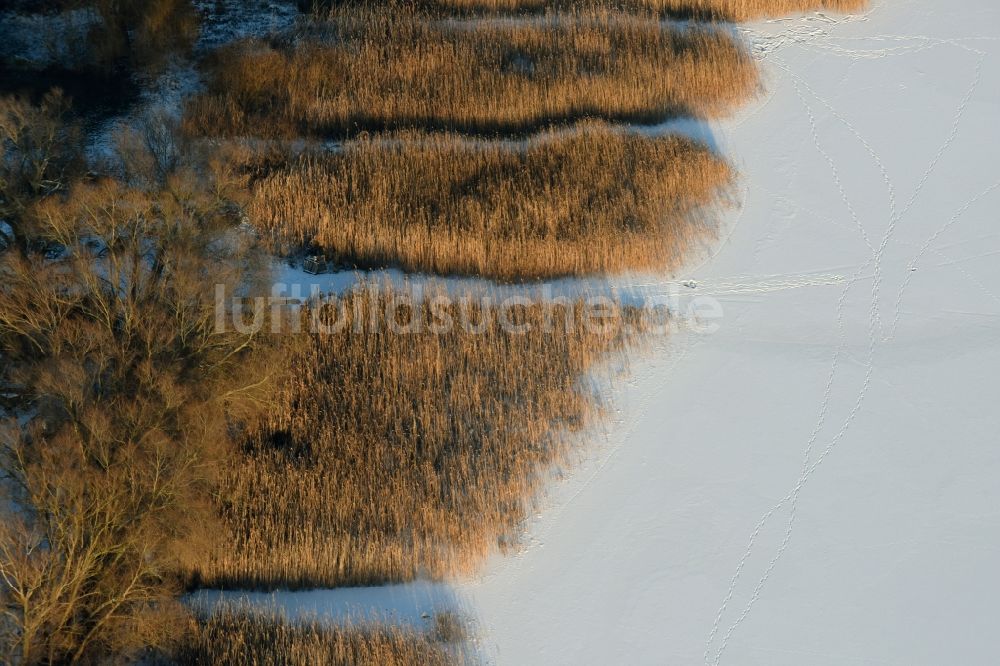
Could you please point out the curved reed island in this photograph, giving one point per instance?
(720, 10)
(588, 200)
(368, 69)
(389, 456)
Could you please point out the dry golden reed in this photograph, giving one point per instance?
(394, 456)
(238, 637)
(374, 70)
(594, 199)
(726, 10)
(747, 10)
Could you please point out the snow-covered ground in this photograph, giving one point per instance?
(228, 20)
(42, 40)
(816, 482)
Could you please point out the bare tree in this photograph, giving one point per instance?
(151, 149)
(112, 346)
(39, 151)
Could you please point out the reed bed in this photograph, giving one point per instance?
(391, 456)
(371, 69)
(241, 637)
(723, 10)
(748, 10)
(591, 200)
